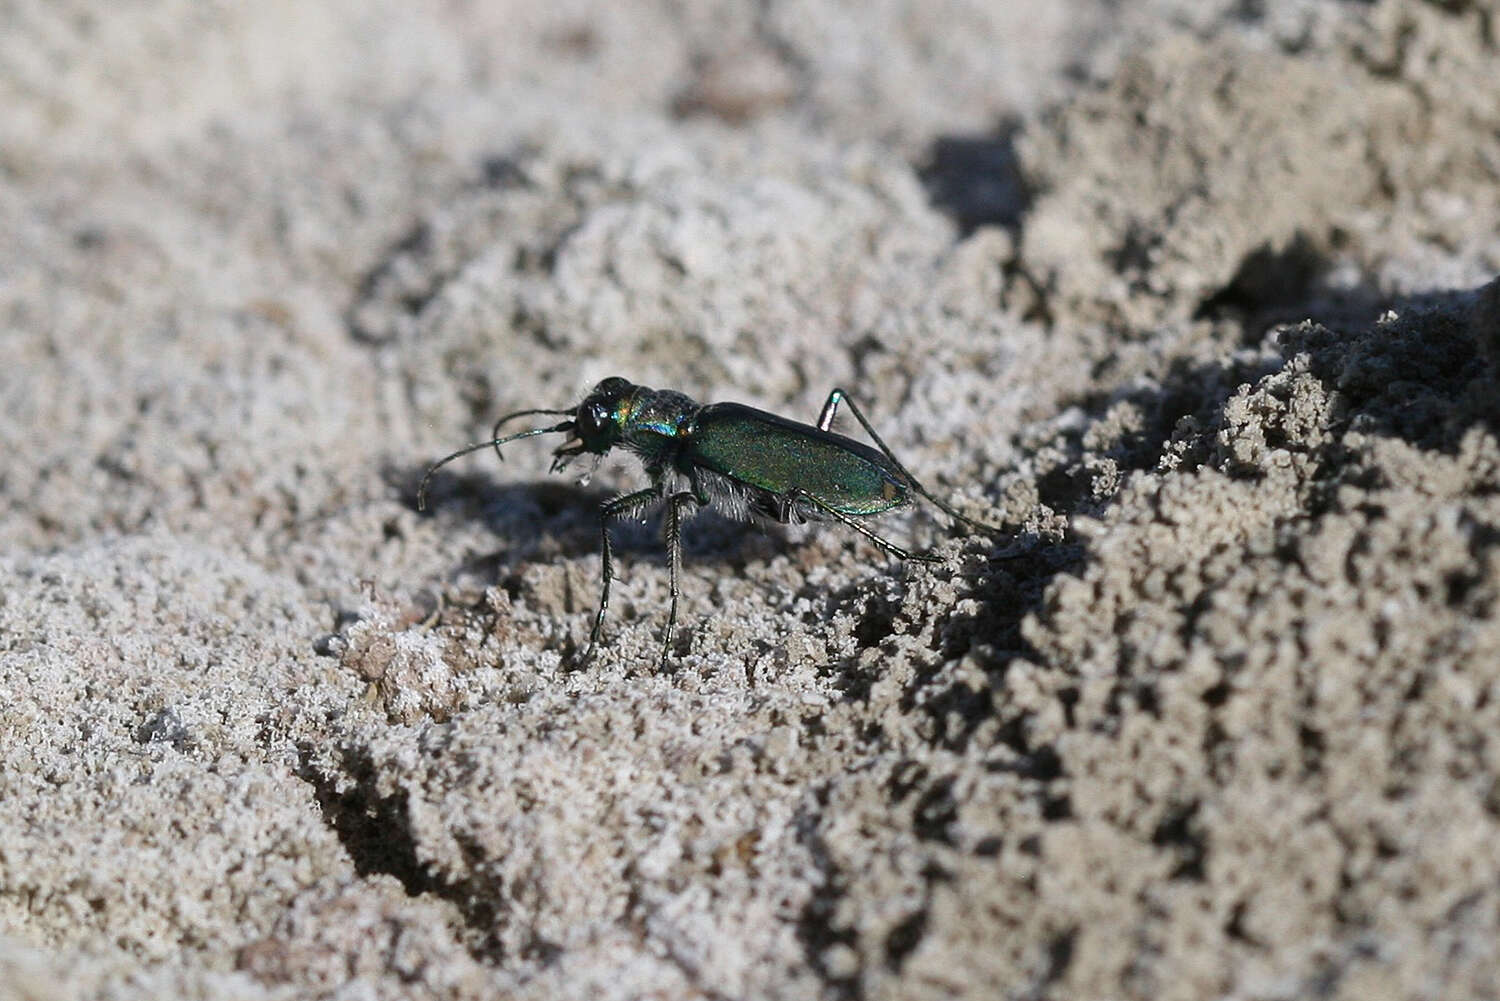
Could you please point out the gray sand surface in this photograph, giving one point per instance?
(1196, 298)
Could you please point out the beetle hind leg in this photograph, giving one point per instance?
(885, 545)
(825, 423)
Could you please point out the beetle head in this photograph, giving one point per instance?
(598, 422)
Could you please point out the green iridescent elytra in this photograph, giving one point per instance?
(743, 462)
(771, 456)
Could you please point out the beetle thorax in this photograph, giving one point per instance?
(655, 422)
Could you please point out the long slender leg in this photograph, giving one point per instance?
(612, 509)
(885, 544)
(825, 422)
(675, 504)
(830, 409)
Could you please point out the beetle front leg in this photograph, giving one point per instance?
(612, 509)
(675, 504)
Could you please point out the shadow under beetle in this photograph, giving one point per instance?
(747, 464)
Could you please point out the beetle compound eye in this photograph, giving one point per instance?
(591, 420)
(614, 385)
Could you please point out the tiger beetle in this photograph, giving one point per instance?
(747, 464)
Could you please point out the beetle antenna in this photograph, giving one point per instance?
(493, 442)
(495, 431)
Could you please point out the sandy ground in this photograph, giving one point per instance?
(1194, 297)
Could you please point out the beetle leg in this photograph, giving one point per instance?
(825, 422)
(612, 509)
(885, 544)
(675, 504)
(831, 409)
